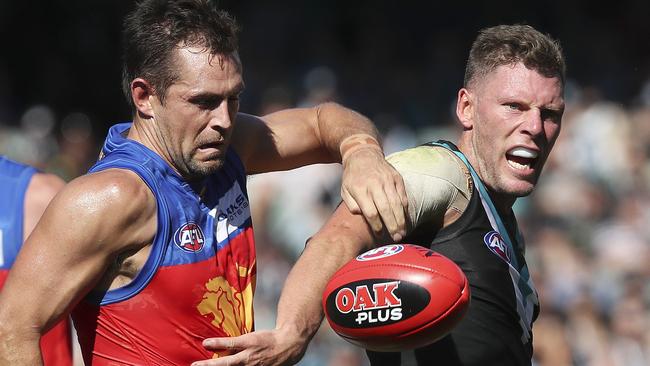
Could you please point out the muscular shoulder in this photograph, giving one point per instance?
(113, 186)
(436, 181)
(113, 203)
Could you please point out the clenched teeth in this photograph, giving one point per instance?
(522, 152)
(517, 165)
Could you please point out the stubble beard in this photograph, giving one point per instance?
(187, 166)
(196, 171)
(492, 175)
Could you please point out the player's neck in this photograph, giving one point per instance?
(143, 132)
(502, 200)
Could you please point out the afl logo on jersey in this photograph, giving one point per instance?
(381, 252)
(189, 237)
(495, 242)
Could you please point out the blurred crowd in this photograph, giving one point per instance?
(586, 226)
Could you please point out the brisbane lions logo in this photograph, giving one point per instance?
(495, 242)
(229, 307)
(381, 252)
(189, 237)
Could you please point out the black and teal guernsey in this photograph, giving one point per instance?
(487, 246)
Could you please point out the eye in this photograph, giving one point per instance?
(514, 106)
(551, 115)
(207, 102)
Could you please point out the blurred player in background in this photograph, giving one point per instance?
(24, 195)
(154, 247)
(460, 204)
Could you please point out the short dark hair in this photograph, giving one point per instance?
(510, 44)
(156, 28)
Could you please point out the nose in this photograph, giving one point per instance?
(221, 117)
(533, 125)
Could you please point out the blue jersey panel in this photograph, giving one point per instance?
(14, 179)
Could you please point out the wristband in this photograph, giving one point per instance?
(356, 142)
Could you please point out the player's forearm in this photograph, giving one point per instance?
(299, 306)
(19, 348)
(342, 131)
(299, 309)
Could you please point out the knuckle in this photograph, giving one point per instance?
(372, 216)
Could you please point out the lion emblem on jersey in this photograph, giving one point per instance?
(231, 309)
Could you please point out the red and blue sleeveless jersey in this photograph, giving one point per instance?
(199, 279)
(56, 345)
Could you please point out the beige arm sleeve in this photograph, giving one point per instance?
(436, 182)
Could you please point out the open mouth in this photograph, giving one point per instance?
(210, 151)
(209, 146)
(521, 158)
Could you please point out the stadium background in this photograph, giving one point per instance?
(399, 63)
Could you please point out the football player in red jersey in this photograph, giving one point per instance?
(137, 294)
(25, 193)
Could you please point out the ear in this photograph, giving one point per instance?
(465, 108)
(141, 93)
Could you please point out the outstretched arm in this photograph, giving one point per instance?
(438, 191)
(343, 237)
(325, 134)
